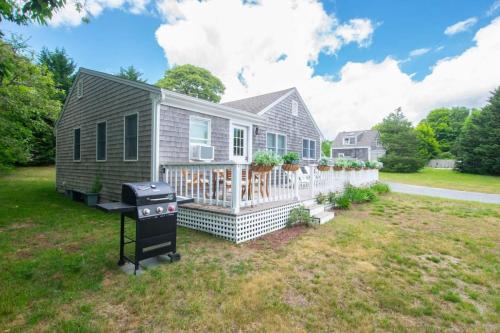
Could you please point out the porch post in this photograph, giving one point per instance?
(297, 196)
(312, 180)
(236, 188)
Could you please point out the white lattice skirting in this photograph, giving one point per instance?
(240, 228)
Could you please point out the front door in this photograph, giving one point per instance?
(239, 141)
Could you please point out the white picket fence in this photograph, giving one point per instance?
(236, 186)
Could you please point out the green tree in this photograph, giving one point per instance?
(28, 110)
(193, 81)
(326, 148)
(400, 140)
(62, 68)
(27, 11)
(130, 73)
(447, 124)
(478, 148)
(428, 145)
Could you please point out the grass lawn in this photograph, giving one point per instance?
(401, 263)
(446, 178)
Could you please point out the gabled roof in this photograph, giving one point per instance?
(363, 138)
(258, 103)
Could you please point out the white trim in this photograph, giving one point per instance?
(208, 144)
(79, 88)
(155, 137)
(137, 133)
(348, 137)
(353, 147)
(315, 149)
(301, 100)
(213, 109)
(249, 141)
(97, 141)
(276, 137)
(338, 155)
(73, 150)
(279, 100)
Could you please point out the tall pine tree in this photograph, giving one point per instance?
(478, 148)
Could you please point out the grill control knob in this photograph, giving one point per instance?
(159, 210)
(146, 211)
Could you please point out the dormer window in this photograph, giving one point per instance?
(350, 140)
(79, 88)
(295, 108)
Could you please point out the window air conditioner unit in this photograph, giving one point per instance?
(202, 153)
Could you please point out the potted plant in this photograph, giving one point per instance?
(323, 164)
(358, 165)
(92, 196)
(264, 161)
(339, 165)
(291, 161)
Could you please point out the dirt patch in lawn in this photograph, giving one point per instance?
(278, 238)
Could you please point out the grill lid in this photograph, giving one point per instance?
(146, 193)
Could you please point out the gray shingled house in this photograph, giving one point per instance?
(125, 131)
(358, 145)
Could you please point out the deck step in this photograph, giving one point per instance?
(316, 209)
(309, 203)
(324, 217)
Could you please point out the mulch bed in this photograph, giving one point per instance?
(277, 238)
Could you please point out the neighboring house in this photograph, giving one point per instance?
(124, 131)
(358, 145)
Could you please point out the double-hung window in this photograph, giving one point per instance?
(308, 149)
(131, 137)
(276, 143)
(101, 138)
(350, 140)
(199, 131)
(76, 144)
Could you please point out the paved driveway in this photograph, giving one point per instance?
(444, 193)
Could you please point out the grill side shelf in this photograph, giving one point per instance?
(116, 207)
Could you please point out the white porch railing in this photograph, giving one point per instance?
(235, 185)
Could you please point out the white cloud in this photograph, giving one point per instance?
(70, 16)
(493, 8)
(460, 26)
(419, 52)
(273, 45)
(356, 30)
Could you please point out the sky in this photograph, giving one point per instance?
(353, 62)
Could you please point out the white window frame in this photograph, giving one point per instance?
(209, 144)
(348, 140)
(73, 153)
(315, 149)
(295, 108)
(137, 131)
(79, 88)
(97, 141)
(276, 140)
(378, 144)
(340, 155)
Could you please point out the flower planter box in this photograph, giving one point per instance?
(338, 168)
(290, 167)
(323, 168)
(91, 199)
(261, 168)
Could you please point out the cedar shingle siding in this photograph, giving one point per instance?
(174, 135)
(103, 100)
(279, 119)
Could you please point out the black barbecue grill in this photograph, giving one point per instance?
(153, 206)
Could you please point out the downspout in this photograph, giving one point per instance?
(155, 137)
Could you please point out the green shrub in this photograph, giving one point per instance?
(266, 158)
(299, 215)
(291, 158)
(342, 202)
(360, 194)
(96, 185)
(321, 198)
(380, 188)
(406, 164)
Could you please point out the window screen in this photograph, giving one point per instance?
(101, 141)
(131, 137)
(76, 144)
